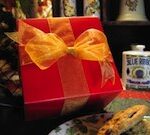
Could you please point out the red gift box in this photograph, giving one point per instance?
(69, 83)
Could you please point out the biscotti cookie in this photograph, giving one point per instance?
(124, 120)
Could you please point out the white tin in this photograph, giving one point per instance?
(136, 69)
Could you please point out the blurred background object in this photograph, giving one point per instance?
(132, 10)
(44, 8)
(91, 8)
(68, 8)
(29, 8)
(7, 21)
(10, 83)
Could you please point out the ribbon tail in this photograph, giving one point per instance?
(13, 36)
(107, 72)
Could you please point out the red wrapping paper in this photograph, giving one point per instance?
(43, 90)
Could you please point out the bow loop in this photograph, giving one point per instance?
(46, 50)
(92, 45)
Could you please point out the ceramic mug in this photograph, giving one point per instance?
(132, 10)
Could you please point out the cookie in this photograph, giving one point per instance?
(124, 120)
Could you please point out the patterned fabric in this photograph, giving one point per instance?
(9, 76)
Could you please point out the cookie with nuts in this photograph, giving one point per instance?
(124, 120)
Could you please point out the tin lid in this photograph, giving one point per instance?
(137, 50)
(138, 47)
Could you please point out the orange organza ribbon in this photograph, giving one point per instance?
(44, 49)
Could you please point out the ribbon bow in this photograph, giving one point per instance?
(44, 49)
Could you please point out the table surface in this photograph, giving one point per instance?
(12, 117)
